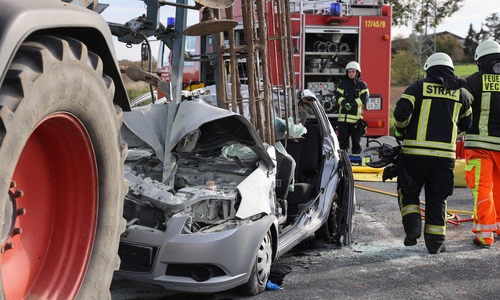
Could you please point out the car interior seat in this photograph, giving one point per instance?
(307, 154)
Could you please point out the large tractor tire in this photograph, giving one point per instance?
(61, 180)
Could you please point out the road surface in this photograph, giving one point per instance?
(377, 265)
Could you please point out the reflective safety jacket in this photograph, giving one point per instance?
(485, 130)
(428, 115)
(351, 95)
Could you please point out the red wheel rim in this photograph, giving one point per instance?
(56, 189)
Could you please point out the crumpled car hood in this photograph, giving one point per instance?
(219, 127)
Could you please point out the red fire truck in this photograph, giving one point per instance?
(326, 36)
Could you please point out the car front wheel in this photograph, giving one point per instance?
(261, 268)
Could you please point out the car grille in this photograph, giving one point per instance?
(136, 258)
(201, 272)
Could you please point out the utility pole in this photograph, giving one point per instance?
(423, 43)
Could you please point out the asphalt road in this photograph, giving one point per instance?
(376, 265)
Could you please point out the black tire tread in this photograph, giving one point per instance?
(35, 56)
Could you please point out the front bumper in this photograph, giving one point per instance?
(199, 263)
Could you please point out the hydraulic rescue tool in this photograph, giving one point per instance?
(390, 157)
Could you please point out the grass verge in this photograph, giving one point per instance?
(465, 70)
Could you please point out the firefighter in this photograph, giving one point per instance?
(351, 94)
(426, 119)
(482, 143)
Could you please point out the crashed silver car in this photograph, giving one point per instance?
(235, 205)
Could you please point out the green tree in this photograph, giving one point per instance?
(474, 38)
(493, 25)
(470, 45)
(482, 35)
(450, 45)
(422, 13)
(404, 69)
(400, 43)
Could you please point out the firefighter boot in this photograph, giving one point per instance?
(411, 237)
(434, 243)
(412, 224)
(480, 245)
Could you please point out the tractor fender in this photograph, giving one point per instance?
(20, 19)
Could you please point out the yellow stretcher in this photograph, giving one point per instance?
(365, 173)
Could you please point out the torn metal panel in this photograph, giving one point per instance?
(149, 124)
(256, 193)
(227, 129)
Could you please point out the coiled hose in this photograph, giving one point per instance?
(452, 216)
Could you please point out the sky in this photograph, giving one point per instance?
(472, 12)
(120, 11)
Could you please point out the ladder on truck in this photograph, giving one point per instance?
(258, 97)
(298, 25)
(282, 68)
(266, 98)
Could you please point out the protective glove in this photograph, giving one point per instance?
(399, 136)
(272, 286)
(361, 126)
(390, 172)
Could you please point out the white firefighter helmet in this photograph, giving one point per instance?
(485, 48)
(438, 59)
(353, 66)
